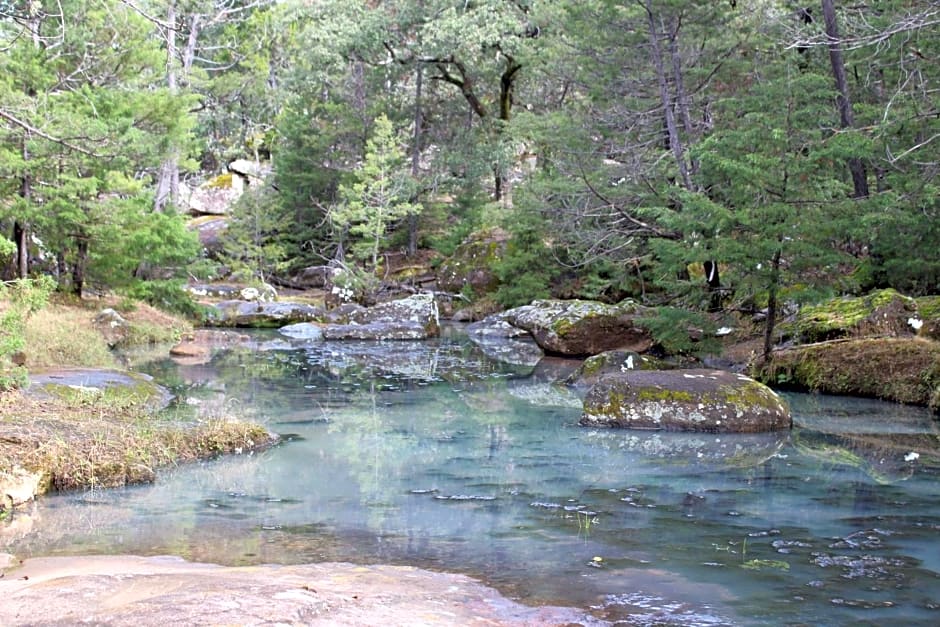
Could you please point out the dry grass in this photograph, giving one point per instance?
(63, 335)
(94, 445)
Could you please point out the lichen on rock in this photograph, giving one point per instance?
(685, 400)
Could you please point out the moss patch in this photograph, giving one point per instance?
(881, 312)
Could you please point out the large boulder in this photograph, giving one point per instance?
(420, 309)
(472, 263)
(885, 312)
(713, 401)
(217, 195)
(582, 327)
(905, 370)
(240, 313)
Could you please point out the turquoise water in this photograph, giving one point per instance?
(431, 454)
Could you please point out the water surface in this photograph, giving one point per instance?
(431, 454)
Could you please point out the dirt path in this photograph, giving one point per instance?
(128, 590)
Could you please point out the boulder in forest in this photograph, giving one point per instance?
(420, 309)
(712, 401)
(884, 312)
(905, 370)
(583, 327)
(240, 313)
(472, 264)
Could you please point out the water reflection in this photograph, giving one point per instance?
(431, 454)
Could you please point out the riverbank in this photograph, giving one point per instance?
(66, 436)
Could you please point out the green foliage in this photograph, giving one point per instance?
(22, 298)
(527, 269)
(682, 332)
(380, 196)
(251, 245)
(353, 284)
(169, 295)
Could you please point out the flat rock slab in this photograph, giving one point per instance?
(94, 381)
(139, 591)
(713, 401)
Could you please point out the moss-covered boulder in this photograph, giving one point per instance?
(419, 309)
(905, 370)
(472, 263)
(712, 401)
(116, 388)
(928, 317)
(610, 362)
(885, 312)
(581, 328)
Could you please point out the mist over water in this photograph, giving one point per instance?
(433, 455)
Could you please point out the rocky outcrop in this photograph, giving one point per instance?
(580, 327)
(685, 400)
(420, 309)
(495, 326)
(156, 591)
(241, 313)
(124, 387)
(472, 263)
(905, 370)
(610, 362)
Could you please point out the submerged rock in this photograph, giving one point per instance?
(405, 330)
(303, 331)
(581, 327)
(685, 400)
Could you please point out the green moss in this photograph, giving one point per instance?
(929, 307)
(902, 370)
(834, 318)
(222, 181)
(665, 395)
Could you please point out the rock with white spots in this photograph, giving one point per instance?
(712, 401)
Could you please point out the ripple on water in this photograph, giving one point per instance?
(651, 609)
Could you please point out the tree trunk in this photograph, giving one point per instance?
(21, 228)
(416, 159)
(81, 261)
(666, 100)
(771, 321)
(844, 102)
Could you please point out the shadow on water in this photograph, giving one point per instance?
(434, 454)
